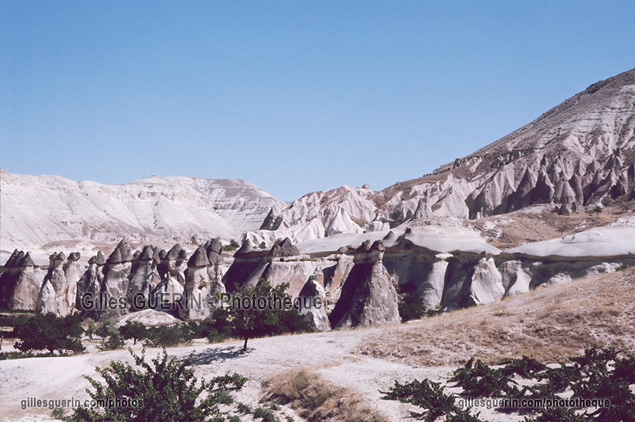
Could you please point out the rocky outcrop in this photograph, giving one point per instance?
(368, 295)
(114, 291)
(282, 248)
(573, 156)
(198, 293)
(17, 264)
(27, 285)
(59, 290)
(89, 286)
(144, 279)
(312, 303)
(281, 264)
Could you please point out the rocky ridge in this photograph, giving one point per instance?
(36, 210)
(574, 155)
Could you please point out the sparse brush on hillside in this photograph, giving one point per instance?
(599, 382)
(548, 324)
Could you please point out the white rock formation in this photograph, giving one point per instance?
(40, 209)
(312, 302)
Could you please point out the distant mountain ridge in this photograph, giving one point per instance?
(35, 210)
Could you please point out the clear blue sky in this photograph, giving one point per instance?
(294, 96)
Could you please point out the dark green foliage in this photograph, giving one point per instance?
(215, 328)
(557, 414)
(431, 397)
(479, 380)
(600, 374)
(112, 342)
(434, 312)
(250, 322)
(233, 245)
(169, 335)
(91, 327)
(525, 367)
(244, 408)
(49, 332)
(164, 389)
(558, 380)
(134, 330)
(265, 414)
(20, 355)
(111, 338)
(410, 305)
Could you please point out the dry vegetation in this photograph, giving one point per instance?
(316, 399)
(549, 324)
(530, 226)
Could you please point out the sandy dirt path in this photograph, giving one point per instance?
(332, 354)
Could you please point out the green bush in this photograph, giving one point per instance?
(215, 328)
(134, 330)
(431, 397)
(49, 332)
(164, 389)
(410, 305)
(598, 374)
(169, 335)
(233, 245)
(111, 338)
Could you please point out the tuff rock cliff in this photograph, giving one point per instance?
(574, 155)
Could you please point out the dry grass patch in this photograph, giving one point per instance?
(317, 399)
(549, 324)
(545, 225)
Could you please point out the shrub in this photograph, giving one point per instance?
(410, 305)
(112, 342)
(215, 328)
(111, 338)
(134, 330)
(233, 245)
(166, 389)
(431, 397)
(169, 335)
(49, 332)
(598, 374)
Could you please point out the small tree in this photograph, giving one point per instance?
(111, 338)
(251, 321)
(164, 390)
(134, 330)
(410, 304)
(90, 328)
(49, 332)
